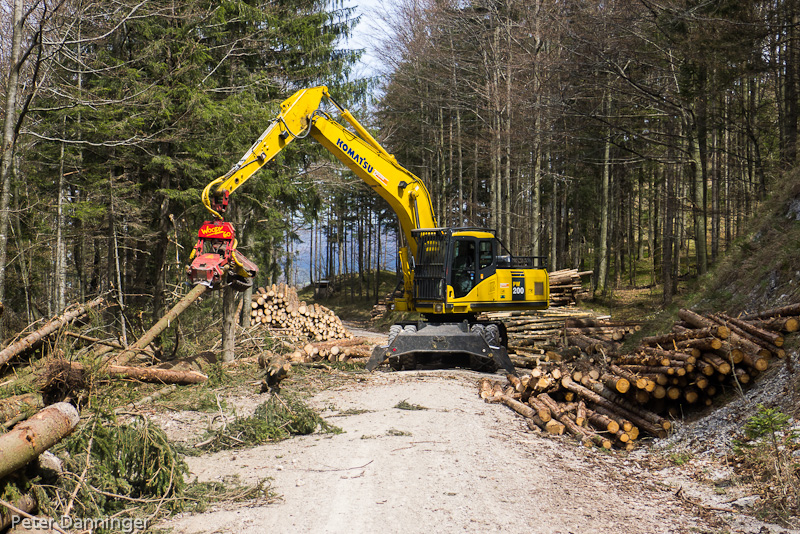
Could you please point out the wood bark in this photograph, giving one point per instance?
(148, 374)
(651, 422)
(778, 324)
(666, 340)
(697, 320)
(783, 311)
(638, 381)
(228, 324)
(26, 502)
(11, 407)
(33, 339)
(770, 337)
(12, 83)
(277, 369)
(26, 441)
(583, 434)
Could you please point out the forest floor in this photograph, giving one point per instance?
(452, 463)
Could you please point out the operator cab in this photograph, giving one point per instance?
(462, 271)
(473, 260)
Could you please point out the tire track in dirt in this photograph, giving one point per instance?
(458, 466)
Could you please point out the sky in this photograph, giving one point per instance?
(363, 35)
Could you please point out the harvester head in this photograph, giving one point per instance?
(215, 260)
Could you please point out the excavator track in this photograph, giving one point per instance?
(437, 345)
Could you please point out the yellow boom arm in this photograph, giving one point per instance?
(299, 117)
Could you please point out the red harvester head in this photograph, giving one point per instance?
(215, 261)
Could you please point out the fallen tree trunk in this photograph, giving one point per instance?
(14, 406)
(147, 374)
(26, 502)
(29, 439)
(33, 340)
(161, 325)
(110, 344)
(147, 400)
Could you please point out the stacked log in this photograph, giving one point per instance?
(642, 390)
(344, 350)
(279, 307)
(566, 287)
(379, 310)
(563, 326)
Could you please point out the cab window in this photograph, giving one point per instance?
(485, 254)
(463, 279)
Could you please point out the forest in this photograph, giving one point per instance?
(634, 138)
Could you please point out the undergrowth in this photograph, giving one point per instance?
(123, 470)
(276, 419)
(766, 459)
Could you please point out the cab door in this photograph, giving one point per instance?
(464, 259)
(487, 267)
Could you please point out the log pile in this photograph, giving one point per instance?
(642, 391)
(563, 326)
(379, 310)
(566, 287)
(344, 350)
(279, 307)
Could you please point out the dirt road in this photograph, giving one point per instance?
(459, 465)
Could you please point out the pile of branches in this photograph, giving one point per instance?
(607, 399)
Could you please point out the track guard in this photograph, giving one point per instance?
(441, 345)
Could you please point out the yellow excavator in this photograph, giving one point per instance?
(450, 275)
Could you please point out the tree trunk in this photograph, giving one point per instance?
(9, 140)
(60, 267)
(145, 374)
(605, 187)
(698, 195)
(228, 323)
(162, 323)
(13, 406)
(28, 440)
(34, 339)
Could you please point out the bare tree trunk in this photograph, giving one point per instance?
(60, 274)
(228, 323)
(790, 92)
(668, 229)
(508, 198)
(698, 195)
(602, 253)
(8, 139)
(114, 253)
(536, 207)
